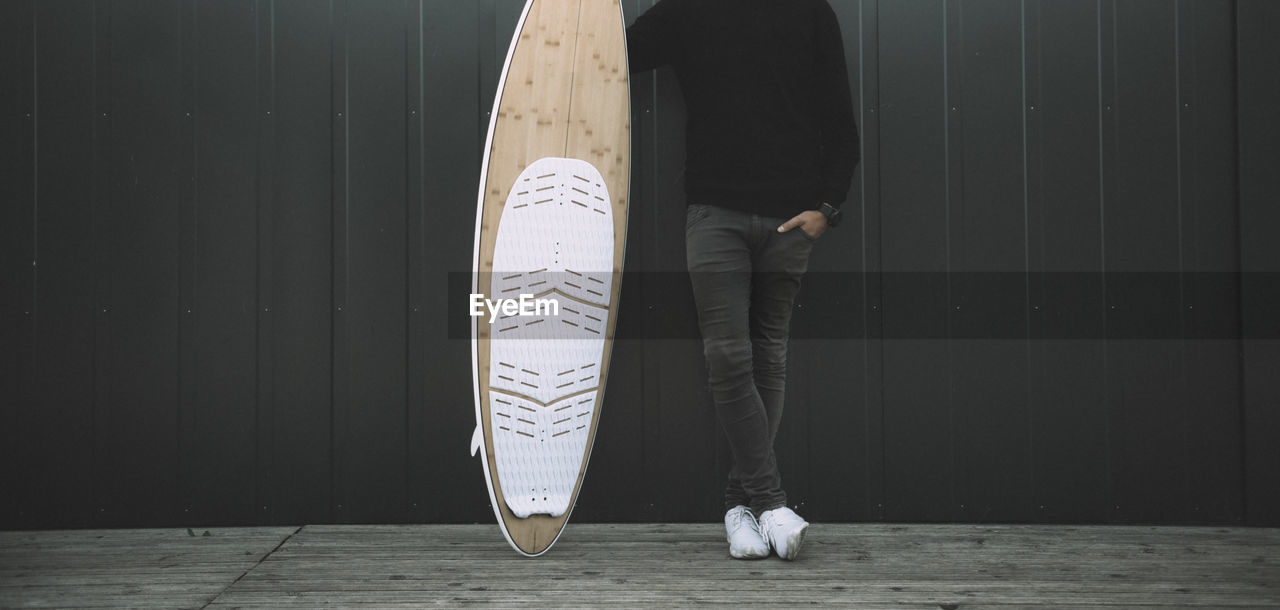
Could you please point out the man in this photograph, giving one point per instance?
(770, 151)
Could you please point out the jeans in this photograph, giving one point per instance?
(745, 277)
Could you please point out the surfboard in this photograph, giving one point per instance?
(550, 236)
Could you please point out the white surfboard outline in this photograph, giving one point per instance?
(477, 437)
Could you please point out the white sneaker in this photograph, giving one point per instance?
(784, 530)
(745, 541)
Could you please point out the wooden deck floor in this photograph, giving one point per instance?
(922, 566)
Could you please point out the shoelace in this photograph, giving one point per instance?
(742, 519)
(768, 522)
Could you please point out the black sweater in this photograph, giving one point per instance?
(770, 120)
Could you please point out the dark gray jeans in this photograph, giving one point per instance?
(745, 278)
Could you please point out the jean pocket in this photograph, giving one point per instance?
(695, 213)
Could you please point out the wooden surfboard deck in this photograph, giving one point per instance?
(564, 104)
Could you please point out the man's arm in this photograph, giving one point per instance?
(840, 145)
(653, 40)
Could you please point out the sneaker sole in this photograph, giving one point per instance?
(749, 554)
(794, 541)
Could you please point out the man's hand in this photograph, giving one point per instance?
(812, 222)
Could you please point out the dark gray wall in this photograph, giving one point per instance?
(1259, 157)
(227, 229)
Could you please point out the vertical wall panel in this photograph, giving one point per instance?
(265, 114)
(416, 357)
(1210, 237)
(302, 255)
(17, 251)
(919, 466)
(918, 454)
(62, 405)
(101, 210)
(1069, 431)
(224, 267)
(1259, 149)
(342, 446)
(189, 313)
(869, 228)
(1142, 221)
(139, 427)
(449, 95)
(376, 260)
(988, 250)
(636, 312)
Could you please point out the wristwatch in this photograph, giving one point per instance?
(832, 213)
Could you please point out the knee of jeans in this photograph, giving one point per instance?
(727, 358)
(769, 357)
(768, 369)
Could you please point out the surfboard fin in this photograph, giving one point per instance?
(477, 438)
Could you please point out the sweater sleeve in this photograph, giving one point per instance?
(840, 144)
(653, 40)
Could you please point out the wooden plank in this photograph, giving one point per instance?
(651, 564)
(128, 568)
(844, 564)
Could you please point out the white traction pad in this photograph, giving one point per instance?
(555, 243)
